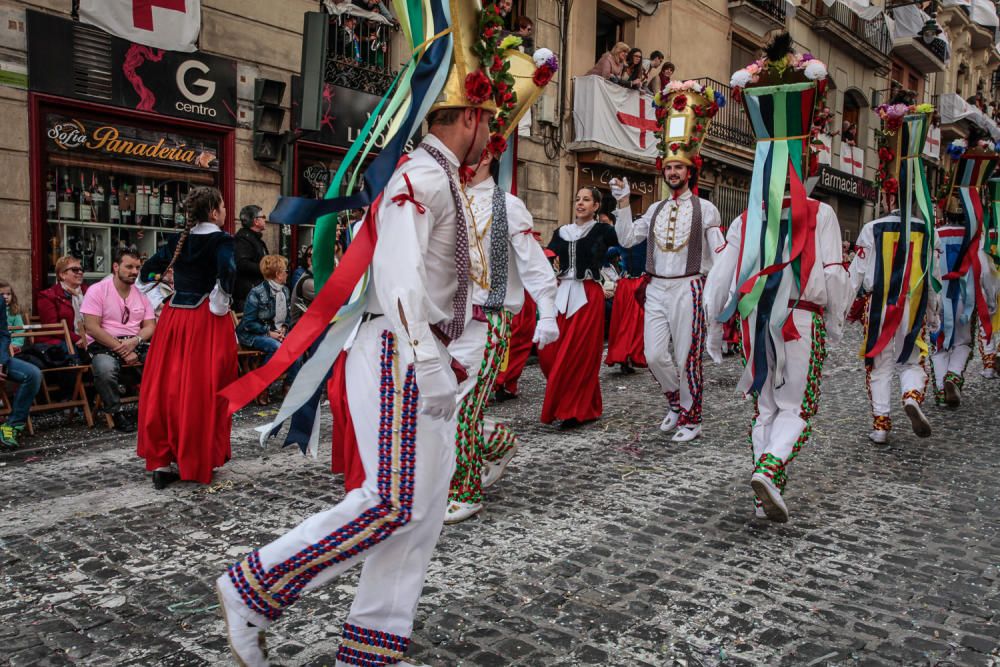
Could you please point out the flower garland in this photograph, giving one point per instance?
(496, 80)
(892, 119)
(813, 69)
(662, 102)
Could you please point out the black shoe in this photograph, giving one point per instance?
(123, 424)
(627, 369)
(164, 478)
(503, 395)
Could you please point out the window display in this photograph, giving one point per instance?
(109, 185)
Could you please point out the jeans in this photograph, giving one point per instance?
(106, 369)
(29, 379)
(269, 346)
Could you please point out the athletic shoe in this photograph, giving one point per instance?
(493, 471)
(670, 421)
(879, 437)
(687, 433)
(918, 420)
(10, 436)
(952, 394)
(770, 497)
(458, 512)
(246, 641)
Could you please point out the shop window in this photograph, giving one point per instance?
(111, 185)
(315, 171)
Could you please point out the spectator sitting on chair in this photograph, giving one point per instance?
(62, 301)
(120, 321)
(267, 314)
(14, 316)
(250, 249)
(305, 264)
(29, 379)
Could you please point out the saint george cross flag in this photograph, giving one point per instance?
(163, 24)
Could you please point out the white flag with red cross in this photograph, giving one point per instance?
(163, 24)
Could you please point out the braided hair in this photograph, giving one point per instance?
(198, 206)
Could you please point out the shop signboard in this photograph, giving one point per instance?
(841, 183)
(97, 67)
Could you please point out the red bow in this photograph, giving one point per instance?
(404, 197)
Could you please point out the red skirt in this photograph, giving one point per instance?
(627, 319)
(522, 331)
(572, 364)
(182, 419)
(345, 456)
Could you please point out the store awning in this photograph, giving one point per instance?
(954, 109)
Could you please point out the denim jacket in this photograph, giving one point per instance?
(4, 334)
(258, 313)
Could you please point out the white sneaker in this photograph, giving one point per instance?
(461, 511)
(670, 421)
(921, 427)
(687, 433)
(758, 512)
(246, 641)
(768, 494)
(879, 437)
(988, 373)
(492, 472)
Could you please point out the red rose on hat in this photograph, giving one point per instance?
(478, 87)
(497, 64)
(497, 145)
(674, 147)
(680, 102)
(891, 186)
(542, 76)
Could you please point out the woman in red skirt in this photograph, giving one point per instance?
(182, 420)
(572, 364)
(628, 314)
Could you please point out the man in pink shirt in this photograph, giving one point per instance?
(119, 320)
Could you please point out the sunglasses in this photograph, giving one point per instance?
(75, 269)
(126, 313)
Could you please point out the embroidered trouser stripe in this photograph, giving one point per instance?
(371, 648)
(692, 365)
(466, 483)
(499, 443)
(270, 592)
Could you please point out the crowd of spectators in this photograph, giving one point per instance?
(628, 68)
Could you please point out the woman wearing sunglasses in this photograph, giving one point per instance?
(62, 302)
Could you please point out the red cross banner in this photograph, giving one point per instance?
(852, 160)
(932, 146)
(613, 116)
(172, 25)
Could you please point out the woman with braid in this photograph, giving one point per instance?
(182, 422)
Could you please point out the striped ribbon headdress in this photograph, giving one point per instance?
(991, 230)
(972, 170)
(780, 93)
(904, 251)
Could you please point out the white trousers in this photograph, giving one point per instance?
(783, 411)
(392, 522)
(954, 360)
(674, 341)
(912, 376)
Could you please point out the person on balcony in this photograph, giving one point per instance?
(651, 72)
(684, 236)
(611, 65)
(348, 44)
(634, 73)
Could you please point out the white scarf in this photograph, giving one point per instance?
(572, 296)
(76, 296)
(280, 303)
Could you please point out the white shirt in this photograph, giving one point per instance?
(413, 267)
(572, 295)
(666, 263)
(527, 267)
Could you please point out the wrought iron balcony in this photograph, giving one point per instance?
(758, 16)
(360, 58)
(731, 125)
(869, 40)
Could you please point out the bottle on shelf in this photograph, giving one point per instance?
(51, 201)
(179, 219)
(84, 203)
(99, 254)
(166, 209)
(114, 213)
(67, 203)
(97, 198)
(154, 207)
(126, 202)
(142, 204)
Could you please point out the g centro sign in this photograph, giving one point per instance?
(205, 89)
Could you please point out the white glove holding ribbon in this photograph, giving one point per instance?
(438, 389)
(714, 342)
(546, 331)
(619, 188)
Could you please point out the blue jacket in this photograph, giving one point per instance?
(258, 313)
(4, 334)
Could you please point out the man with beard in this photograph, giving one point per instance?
(119, 320)
(684, 236)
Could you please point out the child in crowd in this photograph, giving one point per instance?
(15, 318)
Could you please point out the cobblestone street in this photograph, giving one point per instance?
(607, 545)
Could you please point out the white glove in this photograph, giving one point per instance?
(546, 331)
(438, 389)
(714, 342)
(619, 188)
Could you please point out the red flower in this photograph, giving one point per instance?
(713, 109)
(699, 128)
(478, 87)
(489, 32)
(885, 155)
(737, 95)
(680, 102)
(497, 145)
(659, 164)
(542, 76)
(697, 162)
(674, 146)
(497, 64)
(891, 186)
(698, 111)
(661, 112)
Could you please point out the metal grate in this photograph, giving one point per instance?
(731, 124)
(731, 203)
(91, 63)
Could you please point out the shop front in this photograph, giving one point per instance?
(851, 197)
(598, 169)
(119, 133)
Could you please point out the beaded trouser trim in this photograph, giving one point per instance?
(269, 592)
(371, 648)
(466, 483)
(501, 441)
(881, 423)
(768, 464)
(674, 400)
(692, 365)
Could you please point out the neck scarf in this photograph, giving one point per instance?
(280, 303)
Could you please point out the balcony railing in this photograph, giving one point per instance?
(773, 8)
(730, 201)
(731, 125)
(875, 32)
(359, 56)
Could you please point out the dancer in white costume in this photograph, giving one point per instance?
(684, 236)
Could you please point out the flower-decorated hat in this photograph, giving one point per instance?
(901, 168)
(684, 112)
(522, 80)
